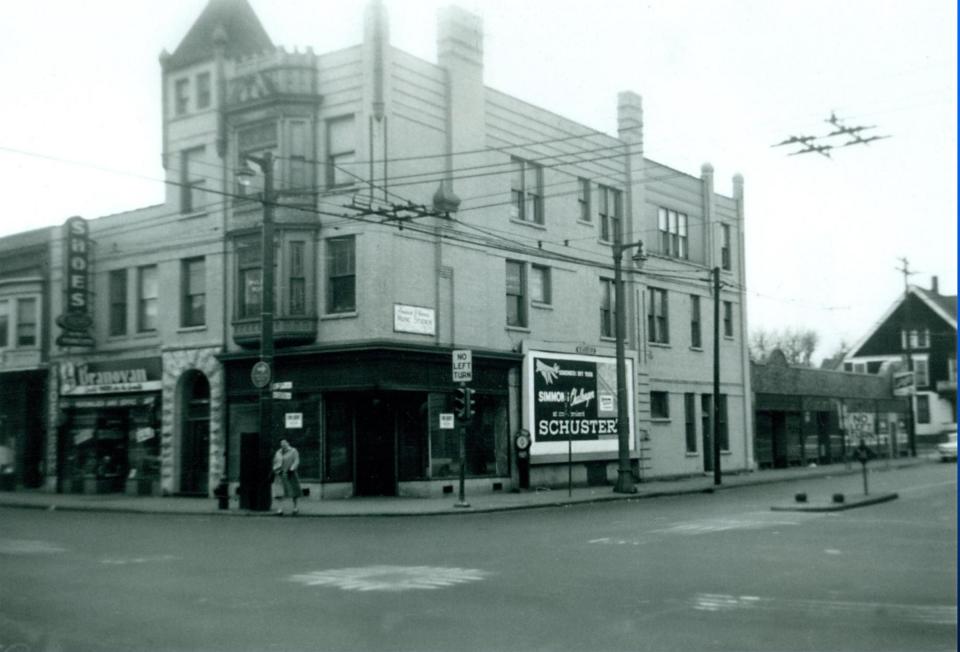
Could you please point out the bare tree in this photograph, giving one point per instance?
(797, 345)
(762, 342)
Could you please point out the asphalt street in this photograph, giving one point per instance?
(698, 572)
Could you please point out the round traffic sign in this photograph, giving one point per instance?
(260, 374)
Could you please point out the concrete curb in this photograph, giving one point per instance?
(52, 502)
(837, 507)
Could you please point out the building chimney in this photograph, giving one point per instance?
(460, 55)
(935, 285)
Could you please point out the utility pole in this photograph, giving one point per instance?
(908, 352)
(259, 494)
(716, 375)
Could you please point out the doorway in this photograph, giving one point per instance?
(195, 435)
(706, 416)
(376, 446)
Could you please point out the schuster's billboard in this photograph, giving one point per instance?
(573, 397)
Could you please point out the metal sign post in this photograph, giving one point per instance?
(462, 366)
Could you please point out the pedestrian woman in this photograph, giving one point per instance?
(285, 464)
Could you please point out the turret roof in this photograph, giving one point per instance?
(245, 34)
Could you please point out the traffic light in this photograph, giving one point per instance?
(460, 402)
(470, 407)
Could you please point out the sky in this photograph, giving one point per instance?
(721, 82)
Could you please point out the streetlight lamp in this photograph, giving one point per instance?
(258, 495)
(624, 483)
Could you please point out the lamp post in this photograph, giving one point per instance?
(624, 483)
(259, 498)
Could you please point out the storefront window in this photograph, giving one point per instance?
(143, 445)
(412, 436)
(486, 435)
(338, 460)
(305, 439)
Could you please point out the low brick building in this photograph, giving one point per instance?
(806, 415)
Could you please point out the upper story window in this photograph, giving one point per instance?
(921, 372)
(255, 140)
(526, 191)
(727, 319)
(341, 152)
(919, 339)
(341, 274)
(20, 322)
(203, 90)
(181, 96)
(193, 297)
(657, 320)
(148, 296)
(673, 233)
(297, 278)
(5, 314)
(118, 302)
(540, 290)
(923, 408)
(725, 245)
(608, 308)
(249, 266)
(299, 178)
(27, 323)
(583, 199)
(516, 292)
(609, 208)
(696, 340)
(192, 196)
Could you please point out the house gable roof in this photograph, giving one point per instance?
(944, 306)
(244, 34)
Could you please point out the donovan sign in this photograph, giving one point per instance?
(573, 397)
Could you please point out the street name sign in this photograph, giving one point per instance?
(462, 365)
(283, 396)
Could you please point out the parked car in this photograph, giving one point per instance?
(948, 449)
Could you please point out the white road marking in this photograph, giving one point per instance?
(28, 547)
(832, 551)
(123, 561)
(709, 525)
(391, 578)
(930, 614)
(750, 521)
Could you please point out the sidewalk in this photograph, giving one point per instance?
(480, 503)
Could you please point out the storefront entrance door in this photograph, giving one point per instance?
(376, 446)
(195, 441)
(195, 461)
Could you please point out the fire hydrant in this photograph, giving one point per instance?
(222, 492)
